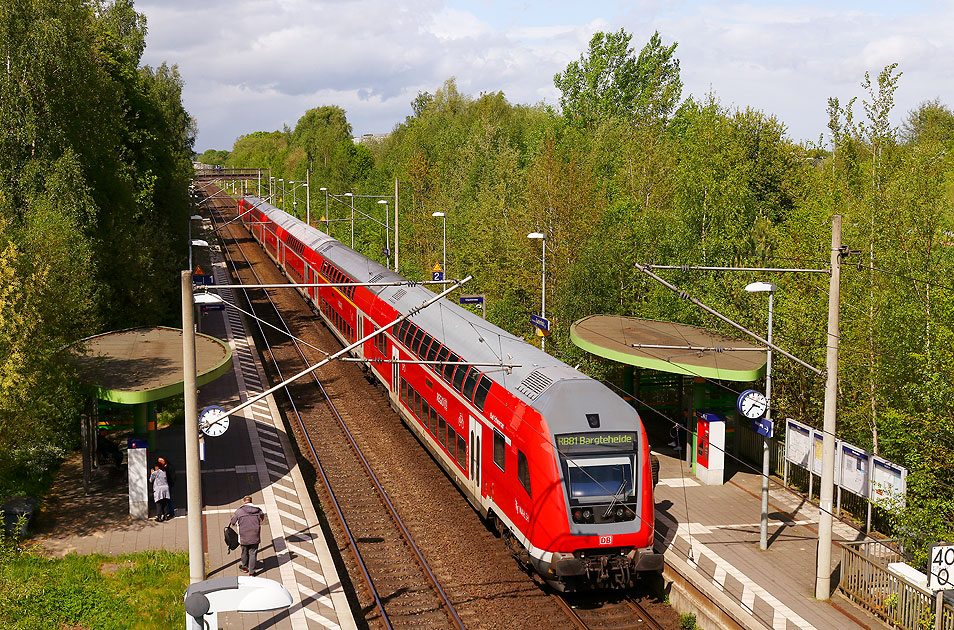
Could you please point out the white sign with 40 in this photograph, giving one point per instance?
(941, 568)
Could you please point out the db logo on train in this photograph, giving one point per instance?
(606, 540)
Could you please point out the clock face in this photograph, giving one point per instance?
(213, 421)
(752, 404)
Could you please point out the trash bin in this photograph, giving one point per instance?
(17, 512)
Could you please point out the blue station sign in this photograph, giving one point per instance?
(540, 322)
(471, 299)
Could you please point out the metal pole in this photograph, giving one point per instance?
(190, 243)
(307, 197)
(396, 225)
(352, 221)
(826, 489)
(327, 218)
(444, 242)
(766, 457)
(193, 470)
(387, 232)
(543, 295)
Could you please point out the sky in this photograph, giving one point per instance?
(258, 65)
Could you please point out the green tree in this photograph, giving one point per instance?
(611, 81)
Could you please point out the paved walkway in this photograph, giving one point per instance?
(712, 539)
(254, 457)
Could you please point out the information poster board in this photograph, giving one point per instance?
(798, 442)
(854, 469)
(887, 480)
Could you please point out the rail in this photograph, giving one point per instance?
(455, 619)
(866, 580)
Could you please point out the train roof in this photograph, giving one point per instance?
(474, 338)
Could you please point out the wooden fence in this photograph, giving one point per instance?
(866, 580)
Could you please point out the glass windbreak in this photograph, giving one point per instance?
(600, 479)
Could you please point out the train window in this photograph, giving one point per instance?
(402, 329)
(483, 388)
(459, 377)
(425, 344)
(451, 366)
(500, 450)
(381, 343)
(416, 342)
(433, 423)
(451, 441)
(425, 412)
(461, 452)
(441, 430)
(433, 350)
(417, 403)
(440, 358)
(403, 390)
(523, 471)
(470, 383)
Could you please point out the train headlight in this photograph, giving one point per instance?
(620, 513)
(588, 515)
(577, 515)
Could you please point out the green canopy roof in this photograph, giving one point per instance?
(141, 365)
(669, 347)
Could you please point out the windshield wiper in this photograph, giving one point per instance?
(618, 496)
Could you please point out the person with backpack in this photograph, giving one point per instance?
(249, 519)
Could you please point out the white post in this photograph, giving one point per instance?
(307, 197)
(766, 456)
(193, 468)
(396, 213)
(826, 489)
(444, 243)
(543, 296)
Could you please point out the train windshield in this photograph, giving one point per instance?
(599, 479)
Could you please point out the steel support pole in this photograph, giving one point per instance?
(396, 213)
(193, 470)
(543, 295)
(766, 455)
(307, 197)
(826, 490)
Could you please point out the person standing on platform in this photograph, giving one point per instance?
(171, 481)
(249, 518)
(160, 491)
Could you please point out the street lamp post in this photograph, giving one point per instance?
(543, 291)
(283, 192)
(347, 194)
(327, 218)
(194, 217)
(765, 287)
(443, 239)
(387, 230)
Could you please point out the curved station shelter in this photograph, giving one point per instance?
(680, 377)
(138, 367)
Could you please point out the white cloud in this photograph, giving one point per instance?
(254, 65)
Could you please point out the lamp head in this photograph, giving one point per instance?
(323, 188)
(760, 287)
(437, 214)
(540, 235)
(382, 201)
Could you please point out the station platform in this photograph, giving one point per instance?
(254, 457)
(710, 535)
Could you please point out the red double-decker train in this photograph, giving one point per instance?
(557, 462)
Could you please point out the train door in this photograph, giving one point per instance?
(395, 372)
(475, 429)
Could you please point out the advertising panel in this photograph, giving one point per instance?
(854, 469)
(797, 443)
(888, 480)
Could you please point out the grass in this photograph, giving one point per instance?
(136, 591)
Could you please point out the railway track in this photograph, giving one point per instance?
(608, 613)
(483, 586)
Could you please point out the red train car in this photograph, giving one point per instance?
(556, 461)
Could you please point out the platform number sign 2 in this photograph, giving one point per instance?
(941, 568)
